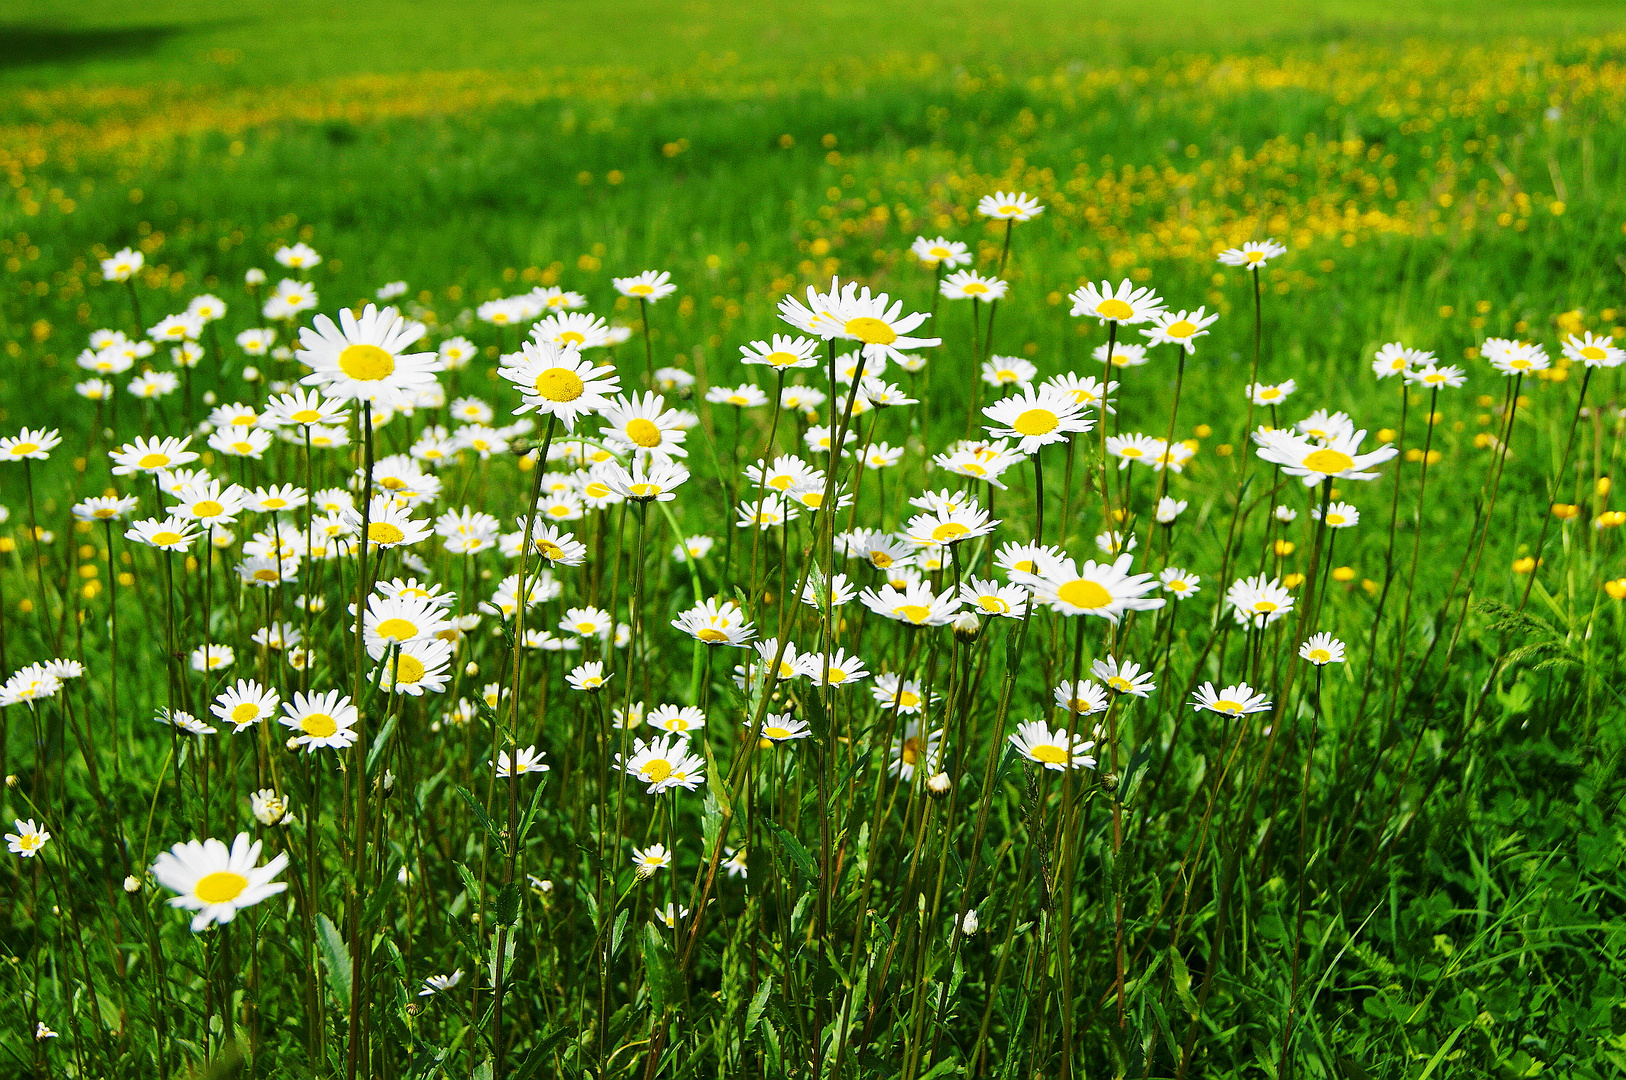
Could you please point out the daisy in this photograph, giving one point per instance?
(647, 861)
(970, 285)
(1087, 700)
(456, 352)
(1125, 678)
(791, 666)
(588, 677)
(1322, 649)
(735, 863)
(1124, 305)
(212, 657)
(28, 839)
(782, 352)
(572, 329)
(521, 761)
(389, 525)
(947, 253)
(1326, 426)
(94, 389)
(989, 597)
(209, 503)
(1179, 583)
(892, 692)
(676, 719)
(321, 720)
(288, 299)
(663, 764)
(418, 666)
(1257, 601)
(170, 534)
(1253, 254)
(122, 264)
(1129, 449)
(645, 426)
(245, 704)
(268, 807)
(181, 327)
(553, 298)
(1396, 359)
(1055, 750)
(29, 445)
(1105, 590)
(216, 882)
(395, 620)
(1599, 351)
(151, 455)
(834, 669)
(914, 605)
(588, 622)
(366, 359)
(299, 257)
(649, 478)
(670, 915)
(1435, 377)
(949, 526)
(1339, 515)
(1036, 417)
(1514, 357)
(744, 396)
(838, 593)
(1338, 457)
(31, 683)
(1008, 371)
(1181, 328)
(715, 623)
(240, 442)
(1238, 700)
(670, 379)
(884, 330)
(1009, 206)
(649, 286)
(914, 746)
(275, 499)
(184, 721)
(1025, 558)
(693, 547)
(1270, 393)
(234, 415)
(767, 513)
(256, 342)
(1168, 509)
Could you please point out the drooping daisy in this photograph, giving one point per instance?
(1009, 206)
(588, 677)
(948, 253)
(217, 882)
(1181, 328)
(1037, 416)
(437, 984)
(970, 285)
(716, 623)
(915, 746)
(1252, 254)
(1258, 601)
(893, 692)
(245, 704)
(1105, 590)
(649, 286)
(28, 839)
(1233, 701)
(1124, 677)
(29, 445)
(366, 359)
(646, 861)
(1338, 457)
(1322, 649)
(1125, 305)
(1057, 750)
(321, 720)
(526, 759)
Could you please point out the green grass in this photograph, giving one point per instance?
(1442, 172)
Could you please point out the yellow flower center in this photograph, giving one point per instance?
(319, 725)
(596, 490)
(1179, 585)
(915, 613)
(1329, 461)
(710, 636)
(1113, 308)
(1180, 328)
(973, 288)
(1335, 519)
(644, 491)
(30, 842)
(382, 532)
(1225, 706)
(781, 359)
(152, 461)
(813, 499)
(1320, 656)
(1120, 684)
(305, 416)
(572, 337)
(559, 384)
(242, 447)
(1264, 607)
(1050, 755)
(220, 887)
(550, 550)
(657, 770)
(408, 670)
(643, 432)
(993, 605)
(208, 508)
(949, 531)
(880, 559)
(911, 750)
(245, 713)
(1131, 452)
(774, 732)
(641, 290)
(266, 574)
(165, 538)
(870, 331)
(397, 630)
(366, 363)
(1036, 422)
(1592, 352)
(1255, 256)
(1083, 593)
(837, 676)
(24, 448)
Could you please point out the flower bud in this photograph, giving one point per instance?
(132, 884)
(939, 785)
(967, 626)
(970, 924)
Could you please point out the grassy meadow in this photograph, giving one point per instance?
(1405, 863)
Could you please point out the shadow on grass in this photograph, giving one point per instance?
(27, 45)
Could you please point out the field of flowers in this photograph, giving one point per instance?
(979, 554)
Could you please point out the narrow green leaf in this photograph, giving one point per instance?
(759, 1001)
(793, 847)
(335, 957)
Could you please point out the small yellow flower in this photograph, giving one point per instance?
(1602, 486)
(1524, 565)
(1284, 547)
(1293, 581)
(1344, 573)
(1565, 511)
(1616, 589)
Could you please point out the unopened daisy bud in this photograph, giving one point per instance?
(939, 785)
(132, 884)
(251, 374)
(970, 924)
(11, 781)
(966, 626)
(471, 669)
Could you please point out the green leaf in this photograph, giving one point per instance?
(1182, 981)
(380, 741)
(335, 957)
(659, 968)
(469, 882)
(480, 815)
(793, 847)
(508, 904)
(759, 1001)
